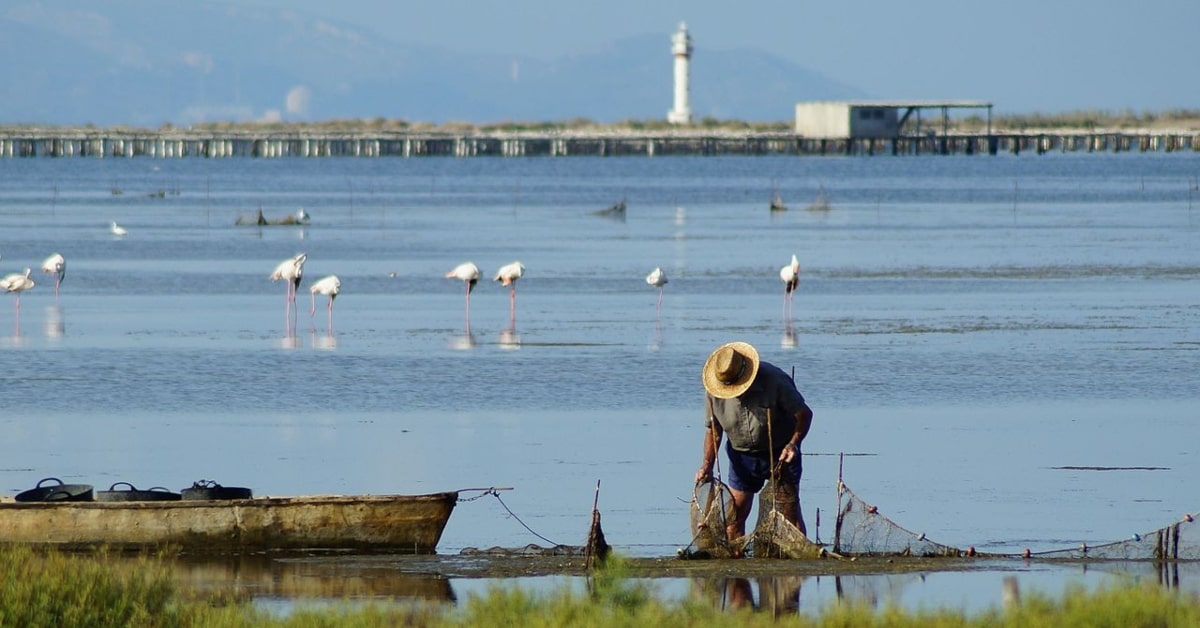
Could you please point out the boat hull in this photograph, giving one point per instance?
(393, 523)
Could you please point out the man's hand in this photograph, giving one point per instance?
(789, 453)
(704, 474)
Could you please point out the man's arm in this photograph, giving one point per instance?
(712, 438)
(804, 418)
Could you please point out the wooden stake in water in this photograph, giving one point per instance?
(597, 547)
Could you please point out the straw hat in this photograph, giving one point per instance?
(730, 370)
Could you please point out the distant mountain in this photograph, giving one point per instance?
(149, 62)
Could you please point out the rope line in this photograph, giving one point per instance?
(514, 516)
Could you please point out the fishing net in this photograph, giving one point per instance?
(1177, 541)
(530, 550)
(597, 548)
(772, 537)
(711, 511)
(861, 530)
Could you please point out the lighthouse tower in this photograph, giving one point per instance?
(681, 47)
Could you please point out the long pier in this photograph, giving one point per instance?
(178, 144)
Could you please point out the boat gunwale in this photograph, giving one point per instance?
(253, 502)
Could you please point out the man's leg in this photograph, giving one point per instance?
(787, 500)
(742, 501)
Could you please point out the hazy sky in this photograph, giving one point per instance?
(1023, 55)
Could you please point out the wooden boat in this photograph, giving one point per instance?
(387, 523)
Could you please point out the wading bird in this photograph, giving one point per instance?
(328, 286)
(17, 283)
(508, 276)
(790, 276)
(468, 273)
(116, 229)
(56, 265)
(658, 279)
(290, 270)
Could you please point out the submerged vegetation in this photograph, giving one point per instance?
(49, 588)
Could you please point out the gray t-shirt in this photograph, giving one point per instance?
(744, 418)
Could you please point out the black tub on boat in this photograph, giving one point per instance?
(131, 494)
(207, 489)
(57, 492)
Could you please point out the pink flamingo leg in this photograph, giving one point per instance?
(287, 310)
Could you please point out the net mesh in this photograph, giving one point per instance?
(773, 536)
(861, 530)
(711, 511)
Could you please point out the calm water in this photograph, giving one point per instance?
(965, 326)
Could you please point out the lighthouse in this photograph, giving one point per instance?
(681, 47)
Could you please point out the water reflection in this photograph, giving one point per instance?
(16, 335)
(656, 341)
(55, 325)
(778, 595)
(15, 340)
(326, 342)
(510, 339)
(290, 341)
(875, 590)
(464, 341)
(291, 580)
(789, 336)
(302, 578)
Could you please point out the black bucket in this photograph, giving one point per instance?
(132, 494)
(207, 489)
(57, 492)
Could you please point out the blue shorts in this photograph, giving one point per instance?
(748, 472)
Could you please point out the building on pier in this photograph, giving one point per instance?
(875, 119)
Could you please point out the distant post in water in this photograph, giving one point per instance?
(681, 47)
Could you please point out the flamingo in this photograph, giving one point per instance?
(790, 276)
(290, 270)
(508, 276)
(328, 286)
(468, 273)
(56, 265)
(17, 283)
(116, 229)
(658, 279)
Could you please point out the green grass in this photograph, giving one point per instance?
(55, 589)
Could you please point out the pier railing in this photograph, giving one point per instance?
(178, 144)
